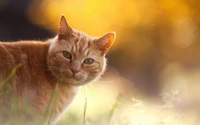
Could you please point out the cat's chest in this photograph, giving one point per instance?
(64, 98)
(56, 98)
(66, 94)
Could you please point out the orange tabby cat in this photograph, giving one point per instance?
(60, 65)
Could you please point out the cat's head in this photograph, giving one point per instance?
(77, 58)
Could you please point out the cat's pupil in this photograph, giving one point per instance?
(67, 55)
(88, 61)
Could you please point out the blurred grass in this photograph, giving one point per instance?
(50, 108)
(14, 111)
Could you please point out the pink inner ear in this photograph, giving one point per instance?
(106, 46)
(65, 30)
(63, 21)
(105, 42)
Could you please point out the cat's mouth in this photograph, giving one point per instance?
(76, 77)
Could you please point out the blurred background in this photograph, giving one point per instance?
(153, 67)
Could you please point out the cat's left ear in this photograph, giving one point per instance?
(105, 42)
(65, 29)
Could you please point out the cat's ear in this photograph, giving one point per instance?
(104, 43)
(65, 29)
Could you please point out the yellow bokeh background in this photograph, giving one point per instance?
(153, 70)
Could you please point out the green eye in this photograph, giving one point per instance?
(67, 55)
(88, 61)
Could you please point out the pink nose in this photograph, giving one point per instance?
(74, 70)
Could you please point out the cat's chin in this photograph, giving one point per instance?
(72, 81)
(76, 84)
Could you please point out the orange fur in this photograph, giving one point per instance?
(43, 68)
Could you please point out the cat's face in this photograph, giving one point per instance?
(77, 58)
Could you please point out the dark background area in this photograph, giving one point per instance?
(15, 25)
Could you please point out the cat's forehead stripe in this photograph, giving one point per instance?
(85, 52)
(89, 43)
(81, 44)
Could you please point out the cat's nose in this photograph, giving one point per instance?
(75, 66)
(74, 70)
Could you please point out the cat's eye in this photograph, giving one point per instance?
(88, 61)
(67, 55)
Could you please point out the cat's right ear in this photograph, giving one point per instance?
(65, 30)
